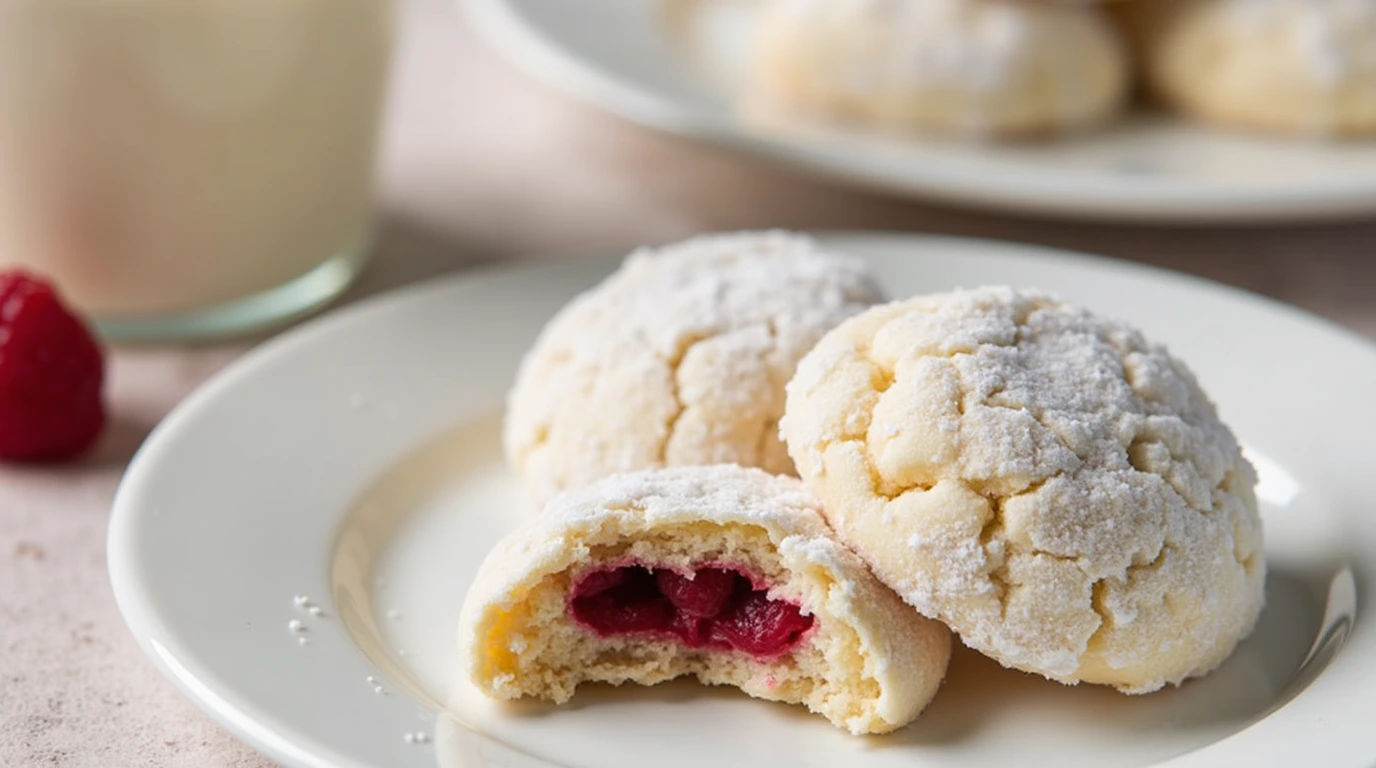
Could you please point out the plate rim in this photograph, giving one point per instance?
(500, 23)
(216, 697)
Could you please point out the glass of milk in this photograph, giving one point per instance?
(190, 168)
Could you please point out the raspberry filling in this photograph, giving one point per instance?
(718, 607)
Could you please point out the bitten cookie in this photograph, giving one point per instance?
(966, 67)
(1284, 66)
(679, 358)
(724, 573)
(1046, 482)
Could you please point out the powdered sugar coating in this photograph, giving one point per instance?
(679, 358)
(1052, 486)
(875, 661)
(965, 66)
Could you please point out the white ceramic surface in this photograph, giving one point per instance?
(355, 461)
(672, 64)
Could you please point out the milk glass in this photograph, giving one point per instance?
(190, 167)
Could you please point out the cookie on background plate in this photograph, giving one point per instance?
(724, 573)
(679, 358)
(1295, 67)
(956, 67)
(1052, 486)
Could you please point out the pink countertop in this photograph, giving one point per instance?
(481, 165)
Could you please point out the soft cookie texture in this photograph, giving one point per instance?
(615, 583)
(1055, 488)
(679, 358)
(1283, 66)
(966, 67)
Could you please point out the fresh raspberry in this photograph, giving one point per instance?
(51, 373)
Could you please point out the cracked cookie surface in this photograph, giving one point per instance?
(679, 358)
(1055, 488)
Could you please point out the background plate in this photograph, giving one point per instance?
(671, 64)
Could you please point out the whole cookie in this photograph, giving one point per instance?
(724, 573)
(1286, 66)
(977, 67)
(1053, 487)
(679, 358)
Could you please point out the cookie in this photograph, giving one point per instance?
(724, 573)
(677, 359)
(963, 67)
(1299, 67)
(1052, 486)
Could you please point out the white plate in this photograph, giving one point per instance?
(355, 461)
(671, 64)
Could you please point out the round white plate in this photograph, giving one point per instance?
(355, 462)
(672, 64)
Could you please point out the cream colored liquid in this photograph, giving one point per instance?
(158, 156)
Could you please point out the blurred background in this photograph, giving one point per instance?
(483, 162)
